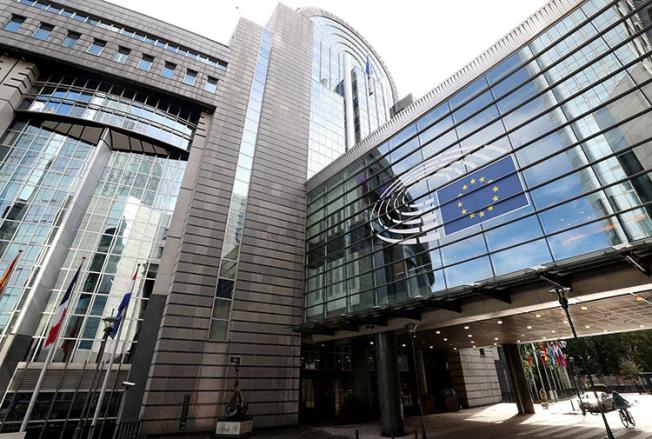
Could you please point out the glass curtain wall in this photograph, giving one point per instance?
(543, 158)
(41, 166)
(124, 225)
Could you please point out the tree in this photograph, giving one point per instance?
(629, 369)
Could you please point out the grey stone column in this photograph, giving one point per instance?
(389, 392)
(519, 381)
(361, 378)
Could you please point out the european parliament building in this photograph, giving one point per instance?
(291, 218)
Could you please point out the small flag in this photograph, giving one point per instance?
(61, 311)
(4, 280)
(122, 308)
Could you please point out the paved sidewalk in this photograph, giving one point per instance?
(496, 422)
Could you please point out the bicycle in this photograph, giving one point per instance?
(626, 418)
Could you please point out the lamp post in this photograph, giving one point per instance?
(412, 329)
(108, 327)
(563, 301)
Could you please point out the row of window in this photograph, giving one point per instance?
(122, 55)
(122, 30)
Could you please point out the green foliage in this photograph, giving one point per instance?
(603, 355)
(629, 369)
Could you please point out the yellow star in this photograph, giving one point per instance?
(463, 211)
(465, 187)
(490, 208)
(481, 213)
(482, 179)
(473, 181)
(459, 204)
(495, 189)
(472, 215)
(495, 198)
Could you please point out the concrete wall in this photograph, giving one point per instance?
(474, 377)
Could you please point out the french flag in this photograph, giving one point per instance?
(124, 304)
(62, 309)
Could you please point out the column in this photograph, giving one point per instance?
(519, 381)
(389, 393)
(361, 378)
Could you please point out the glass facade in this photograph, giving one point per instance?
(125, 224)
(41, 166)
(111, 104)
(228, 269)
(351, 93)
(544, 157)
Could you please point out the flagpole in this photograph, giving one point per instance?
(48, 358)
(116, 342)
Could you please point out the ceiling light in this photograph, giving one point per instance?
(403, 345)
(583, 308)
(529, 327)
(466, 327)
(500, 322)
(518, 341)
(496, 338)
(454, 349)
(538, 316)
(544, 337)
(553, 331)
(587, 326)
(431, 347)
(371, 343)
(641, 326)
(495, 343)
(437, 332)
(445, 339)
(470, 335)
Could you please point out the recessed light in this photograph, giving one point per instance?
(454, 349)
(431, 347)
(437, 332)
(553, 331)
(470, 335)
(544, 337)
(403, 345)
(495, 343)
(640, 299)
(538, 316)
(641, 326)
(500, 322)
(322, 345)
(583, 308)
(472, 341)
(445, 339)
(496, 338)
(466, 327)
(518, 341)
(587, 326)
(371, 343)
(529, 327)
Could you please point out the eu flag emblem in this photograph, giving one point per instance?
(482, 195)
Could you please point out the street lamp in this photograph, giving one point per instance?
(108, 327)
(563, 301)
(412, 329)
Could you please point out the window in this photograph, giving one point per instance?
(146, 63)
(190, 78)
(96, 47)
(71, 39)
(122, 55)
(14, 23)
(43, 31)
(168, 70)
(211, 84)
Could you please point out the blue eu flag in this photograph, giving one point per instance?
(481, 195)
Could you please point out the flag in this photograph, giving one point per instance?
(122, 308)
(4, 280)
(479, 196)
(62, 309)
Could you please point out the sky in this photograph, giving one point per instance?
(422, 42)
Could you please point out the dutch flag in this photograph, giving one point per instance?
(61, 311)
(124, 304)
